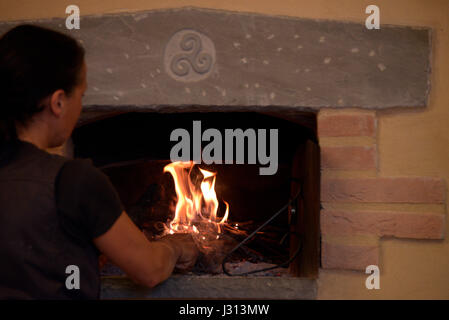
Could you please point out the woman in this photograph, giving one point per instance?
(56, 212)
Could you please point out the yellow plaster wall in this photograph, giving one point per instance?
(410, 143)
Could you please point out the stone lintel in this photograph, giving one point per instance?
(214, 58)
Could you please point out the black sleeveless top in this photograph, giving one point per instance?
(51, 208)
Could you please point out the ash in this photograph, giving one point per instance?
(237, 268)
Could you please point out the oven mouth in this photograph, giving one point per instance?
(273, 229)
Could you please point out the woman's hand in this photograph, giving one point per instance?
(188, 251)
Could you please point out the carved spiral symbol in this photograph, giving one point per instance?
(193, 57)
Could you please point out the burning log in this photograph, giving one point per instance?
(212, 255)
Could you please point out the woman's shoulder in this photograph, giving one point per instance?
(83, 176)
(80, 170)
(79, 165)
(23, 160)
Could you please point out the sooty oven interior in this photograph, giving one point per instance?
(133, 148)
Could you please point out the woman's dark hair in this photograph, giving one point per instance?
(34, 62)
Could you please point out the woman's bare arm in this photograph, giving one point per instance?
(146, 262)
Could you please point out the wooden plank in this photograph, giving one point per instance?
(306, 174)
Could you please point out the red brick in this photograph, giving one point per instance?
(345, 125)
(393, 190)
(398, 224)
(348, 158)
(349, 257)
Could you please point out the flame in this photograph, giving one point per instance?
(196, 207)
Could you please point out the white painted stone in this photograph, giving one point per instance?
(138, 17)
(381, 67)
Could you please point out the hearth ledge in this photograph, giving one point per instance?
(214, 287)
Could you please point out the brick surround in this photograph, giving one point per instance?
(359, 206)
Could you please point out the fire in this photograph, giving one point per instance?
(197, 206)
